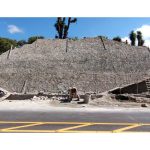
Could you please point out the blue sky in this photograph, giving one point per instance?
(22, 28)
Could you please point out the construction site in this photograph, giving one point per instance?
(102, 72)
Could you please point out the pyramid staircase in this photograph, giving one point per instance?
(147, 81)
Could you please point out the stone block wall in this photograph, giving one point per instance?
(55, 65)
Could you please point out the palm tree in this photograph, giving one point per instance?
(132, 37)
(62, 27)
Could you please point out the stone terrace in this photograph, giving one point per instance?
(55, 65)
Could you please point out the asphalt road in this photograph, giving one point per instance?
(75, 121)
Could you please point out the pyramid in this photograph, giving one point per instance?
(91, 65)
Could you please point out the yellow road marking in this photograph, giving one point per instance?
(111, 123)
(55, 131)
(74, 127)
(69, 129)
(88, 131)
(126, 128)
(145, 124)
(34, 131)
(136, 132)
(29, 125)
(74, 131)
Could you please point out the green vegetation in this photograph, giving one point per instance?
(132, 37)
(138, 35)
(101, 36)
(34, 38)
(74, 38)
(5, 44)
(62, 27)
(21, 43)
(117, 38)
(140, 38)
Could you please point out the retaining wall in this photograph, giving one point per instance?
(135, 88)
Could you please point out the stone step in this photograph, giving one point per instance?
(147, 80)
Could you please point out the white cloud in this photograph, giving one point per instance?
(14, 29)
(145, 29)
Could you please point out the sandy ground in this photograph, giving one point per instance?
(44, 103)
